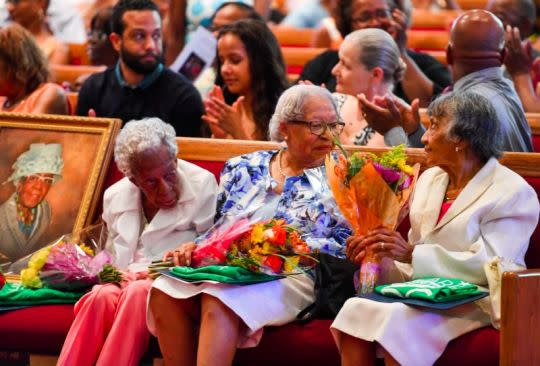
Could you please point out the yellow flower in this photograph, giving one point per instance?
(30, 278)
(291, 263)
(87, 249)
(257, 234)
(405, 168)
(39, 258)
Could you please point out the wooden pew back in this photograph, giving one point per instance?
(70, 73)
(427, 19)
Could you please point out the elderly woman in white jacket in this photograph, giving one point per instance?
(466, 209)
(160, 203)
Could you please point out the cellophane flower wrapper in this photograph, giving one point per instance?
(271, 247)
(371, 192)
(72, 262)
(213, 250)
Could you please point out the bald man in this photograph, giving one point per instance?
(475, 53)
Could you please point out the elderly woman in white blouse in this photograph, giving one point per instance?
(466, 209)
(160, 203)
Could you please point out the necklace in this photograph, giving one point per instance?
(280, 169)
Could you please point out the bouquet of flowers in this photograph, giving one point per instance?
(270, 247)
(371, 191)
(72, 262)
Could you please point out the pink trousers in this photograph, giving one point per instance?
(109, 327)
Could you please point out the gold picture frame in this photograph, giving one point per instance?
(81, 149)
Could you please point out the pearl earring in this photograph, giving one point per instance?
(457, 149)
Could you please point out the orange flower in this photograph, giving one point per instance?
(280, 235)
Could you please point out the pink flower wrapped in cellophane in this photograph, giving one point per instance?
(72, 262)
(214, 248)
(68, 267)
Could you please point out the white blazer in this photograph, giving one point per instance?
(133, 247)
(494, 215)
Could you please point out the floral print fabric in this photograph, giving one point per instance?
(306, 201)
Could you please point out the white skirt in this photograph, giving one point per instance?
(258, 305)
(412, 336)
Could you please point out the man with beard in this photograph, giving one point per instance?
(139, 85)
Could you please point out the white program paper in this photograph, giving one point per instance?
(197, 55)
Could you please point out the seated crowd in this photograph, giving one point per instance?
(367, 89)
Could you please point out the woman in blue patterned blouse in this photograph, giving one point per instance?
(289, 184)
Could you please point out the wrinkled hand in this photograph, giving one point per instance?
(128, 277)
(518, 59)
(181, 256)
(382, 242)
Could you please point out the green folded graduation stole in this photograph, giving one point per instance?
(225, 274)
(435, 289)
(17, 294)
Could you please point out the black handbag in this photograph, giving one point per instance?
(334, 284)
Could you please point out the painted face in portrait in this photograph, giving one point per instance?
(140, 46)
(234, 60)
(33, 189)
(154, 172)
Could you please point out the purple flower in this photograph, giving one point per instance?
(389, 175)
(406, 182)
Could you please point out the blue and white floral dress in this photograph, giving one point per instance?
(247, 189)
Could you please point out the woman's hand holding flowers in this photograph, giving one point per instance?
(181, 256)
(382, 242)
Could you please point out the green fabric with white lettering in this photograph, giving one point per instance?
(435, 289)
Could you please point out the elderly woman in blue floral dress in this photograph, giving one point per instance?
(289, 184)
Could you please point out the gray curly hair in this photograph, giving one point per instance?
(290, 106)
(472, 119)
(138, 136)
(377, 48)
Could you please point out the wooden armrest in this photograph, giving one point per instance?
(520, 318)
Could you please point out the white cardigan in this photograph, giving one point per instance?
(135, 248)
(494, 215)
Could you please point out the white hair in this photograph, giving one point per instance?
(138, 136)
(377, 48)
(290, 106)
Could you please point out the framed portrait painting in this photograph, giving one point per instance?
(52, 174)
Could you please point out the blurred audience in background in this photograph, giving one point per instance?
(23, 76)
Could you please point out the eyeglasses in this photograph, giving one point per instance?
(37, 177)
(319, 127)
(366, 16)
